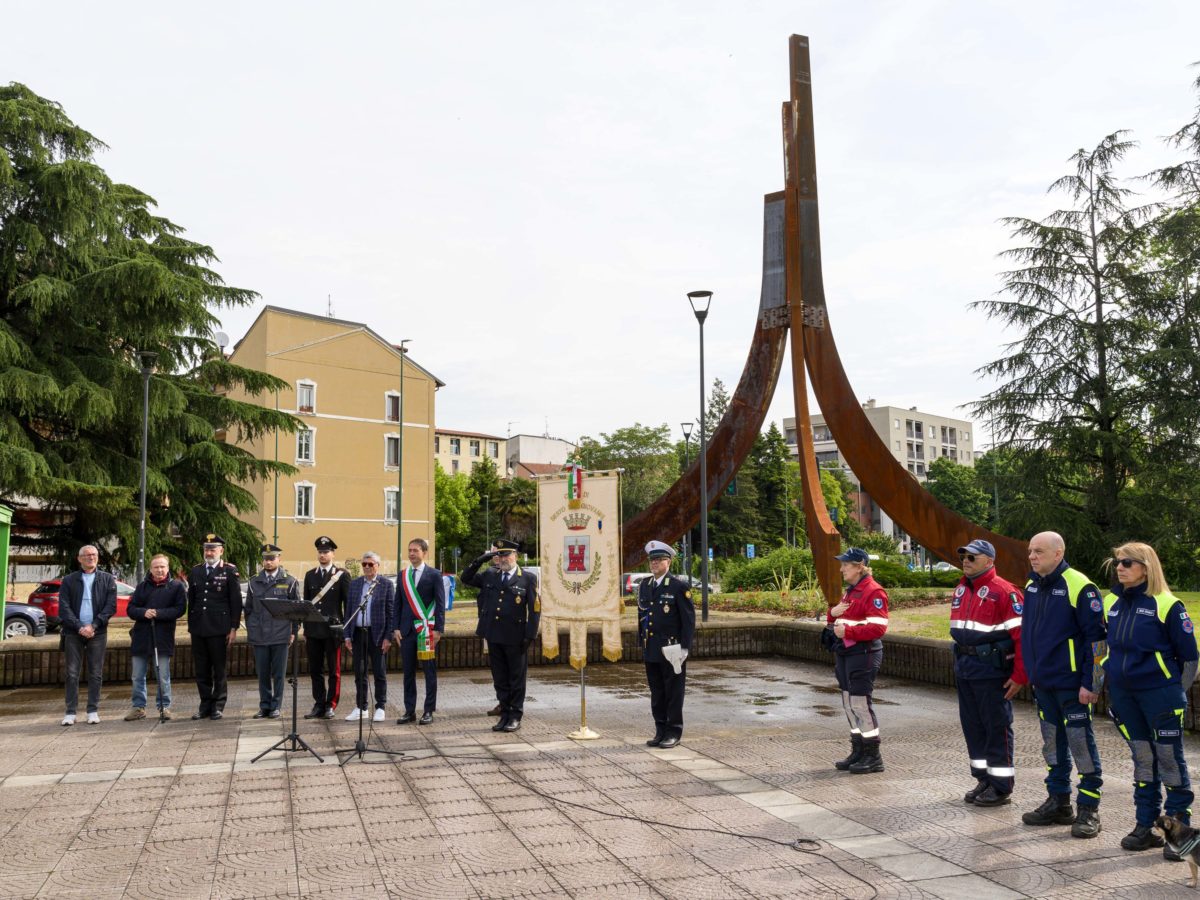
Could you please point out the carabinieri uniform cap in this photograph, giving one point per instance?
(659, 550)
(980, 547)
(324, 543)
(213, 540)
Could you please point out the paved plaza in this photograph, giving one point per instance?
(177, 810)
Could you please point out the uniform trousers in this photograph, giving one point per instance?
(76, 648)
(856, 673)
(208, 659)
(270, 661)
(1067, 734)
(325, 670)
(666, 697)
(408, 658)
(509, 666)
(987, 726)
(1152, 723)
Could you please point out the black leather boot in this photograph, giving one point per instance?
(870, 760)
(856, 752)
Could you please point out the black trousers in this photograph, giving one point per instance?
(666, 697)
(408, 657)
(509, 667)
(368, 652)
(325, 670)
(208, 659)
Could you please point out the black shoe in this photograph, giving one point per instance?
(495, 710)
(512, 725)
(869, 762)
(1087, 823)
(980, 787)
(217, 714)
(992, 797)
(856, 752)
(317, 712)
(260, 715)
(1141, 838)
(656, 740)
(329, 712)
(1056, 810)
(406, 718)
(274, 714)
(499, 726)
(425, 719)
(199, 715)
(668, 742)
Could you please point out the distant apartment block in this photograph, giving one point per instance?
(461, 451)
(536, 454)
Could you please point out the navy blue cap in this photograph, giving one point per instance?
(507, 546)
(854, 555)
(980, 547)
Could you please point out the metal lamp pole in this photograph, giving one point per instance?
(687, 535)
(147, 359)
(400, 471)
(700, 301)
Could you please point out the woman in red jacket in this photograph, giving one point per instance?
(858, 623)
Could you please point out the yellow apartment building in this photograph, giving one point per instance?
(344, 382)
(460, 451)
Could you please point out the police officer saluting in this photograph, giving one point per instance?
(329, 588)
(666, 624)
(214, 613)
(509, 612)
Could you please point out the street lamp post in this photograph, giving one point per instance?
(487, 520)
(147, 359)
(700, 301)
(687, 535)
(400, 469)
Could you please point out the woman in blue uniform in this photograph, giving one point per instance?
(1151, 663)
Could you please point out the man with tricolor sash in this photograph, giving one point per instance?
(420, 621)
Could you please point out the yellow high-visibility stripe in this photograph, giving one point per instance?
(1162, 664)
(1071, 650)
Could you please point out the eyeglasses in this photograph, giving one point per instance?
(368, 565)
(1128, 563)
(969, 557)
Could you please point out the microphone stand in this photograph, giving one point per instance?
(362, 638)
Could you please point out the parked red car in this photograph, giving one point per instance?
(45, 598)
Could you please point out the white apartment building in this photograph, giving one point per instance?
(461, 451)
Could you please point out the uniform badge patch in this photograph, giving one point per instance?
(1017, 607)
(687, 594)
(960, 590)
(879, 603)
(957, 601)
(1187, 625)
(983, 592)
(1097, 605)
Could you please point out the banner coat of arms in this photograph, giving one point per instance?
(579, 549)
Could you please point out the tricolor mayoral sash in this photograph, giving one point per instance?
(422, 611)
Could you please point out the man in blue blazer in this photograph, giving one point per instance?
(87, 599)
(370, 644)
(421, 619)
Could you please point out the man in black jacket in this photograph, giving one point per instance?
(86, 601)
(214, 614)
(156, 606)
(332, 586)
(421, 619)
(509, 612)
(666, 625)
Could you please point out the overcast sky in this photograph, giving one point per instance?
(528, 190)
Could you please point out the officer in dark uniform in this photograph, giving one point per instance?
(509, 611)
(214, 614)
(666, 619)
(324, 647)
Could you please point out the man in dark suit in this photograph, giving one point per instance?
(421, 619)
(369, 634)
(666, 624)
(87, 599)
(332, 585)
(509, 612)
(214, 614)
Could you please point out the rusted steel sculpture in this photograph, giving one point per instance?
(793, 294)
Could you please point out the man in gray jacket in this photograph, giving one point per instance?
(270, 637)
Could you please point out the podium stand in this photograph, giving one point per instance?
(293, 611)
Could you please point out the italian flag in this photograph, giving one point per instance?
(575, 483)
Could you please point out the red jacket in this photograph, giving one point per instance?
(986, 609)
(867, 618)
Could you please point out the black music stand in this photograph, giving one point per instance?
(362, 634)
(294, 611)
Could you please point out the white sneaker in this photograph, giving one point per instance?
(378, 717)
(355, 714)
(69, 719)
(93, 718)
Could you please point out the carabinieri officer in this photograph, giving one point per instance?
(666, 619)
(213, 616)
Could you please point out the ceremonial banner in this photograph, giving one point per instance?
(579, 548)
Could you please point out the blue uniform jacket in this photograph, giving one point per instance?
(666, 615)
(1148, 640)
(1056, 637)
(509, 613)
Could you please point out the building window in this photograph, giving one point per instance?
(306, 397)
(391, 403)
(437, 443)
(390, 505)
(897, 421)
(391, 454)
(455, 446)
(454, 467)
(304, 501)
(966, 437)
(920, 468)
(474, 446)
(898, 447)
(494, 449)
(306, 446)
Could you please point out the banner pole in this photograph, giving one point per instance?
(584, 733)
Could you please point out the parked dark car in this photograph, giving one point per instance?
(23, 620)
(45, 597)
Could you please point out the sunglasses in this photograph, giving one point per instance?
(969, 557)
(368, 565)
(1128, 563)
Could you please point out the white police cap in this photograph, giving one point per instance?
(659, 550)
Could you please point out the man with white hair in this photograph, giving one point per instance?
(369, 634)
(87, 599)
(1062, 641)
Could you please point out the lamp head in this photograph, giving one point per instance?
(700, 301)
(687, 430)
(147, 358)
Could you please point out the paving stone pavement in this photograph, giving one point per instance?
(178, 810)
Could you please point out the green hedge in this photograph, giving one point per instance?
(811, 605)
(788, 568)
